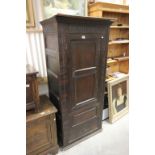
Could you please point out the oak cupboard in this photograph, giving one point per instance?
(76, 53)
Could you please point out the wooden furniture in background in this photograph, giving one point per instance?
(118, 49)
(30, 21)
(76, 51)
(32, 93)
(91, 1)
(41, 134)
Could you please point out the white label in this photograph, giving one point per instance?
(83, 37)
(27, 85)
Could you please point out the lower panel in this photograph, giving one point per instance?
(79, 131)
(38, 134)
(84, 121)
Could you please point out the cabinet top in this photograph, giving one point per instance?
(62, 17)
(46, 108)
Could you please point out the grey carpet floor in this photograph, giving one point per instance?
(112, 140)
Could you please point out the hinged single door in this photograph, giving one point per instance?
(84, 64)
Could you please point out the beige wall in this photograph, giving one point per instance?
(35, 53)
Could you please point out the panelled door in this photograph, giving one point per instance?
(84, 72)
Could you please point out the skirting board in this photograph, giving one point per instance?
(105, 114)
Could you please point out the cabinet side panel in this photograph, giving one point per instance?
(50, 30)
(52, 56)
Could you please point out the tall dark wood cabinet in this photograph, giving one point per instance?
(76, 51)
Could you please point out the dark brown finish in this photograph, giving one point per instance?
(32, 93)
(41, 136)
(76, 51)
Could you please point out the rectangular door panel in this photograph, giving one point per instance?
(84, 89)
(84, 116)
(41, 130)
(84, 72)
(83, 129)
(84, 53)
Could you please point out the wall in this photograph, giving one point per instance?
(35, 53)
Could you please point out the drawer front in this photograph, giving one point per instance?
(84, 122)
(39, 135)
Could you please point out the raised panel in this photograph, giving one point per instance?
(84, 88)
(83, 129)
(84, 71)
(52, 64)
(84, 54)
(84, 116)
(38, 134)
(52, 55)
(51, 41)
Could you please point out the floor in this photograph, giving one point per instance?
(112, 140)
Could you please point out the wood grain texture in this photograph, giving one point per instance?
(124, 66)
(108, 7)
(30, 20)
(41, 134)
(78, 90)
(119, 29)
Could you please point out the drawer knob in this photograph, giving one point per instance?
(102, 37)
(83, 37)
(54, 119)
